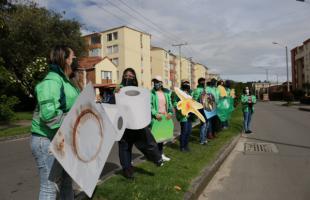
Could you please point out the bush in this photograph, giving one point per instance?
(305, 100)
(298, 94)
(288, 96)
(6, 107)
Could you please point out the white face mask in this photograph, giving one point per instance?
(247, 92)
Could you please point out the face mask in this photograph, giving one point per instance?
(158, 86)
(247, 92)
(129, 82)
(74, 64)
(185, 87)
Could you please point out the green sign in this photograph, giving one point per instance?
(162, 130)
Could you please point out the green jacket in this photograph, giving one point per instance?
(196, 94)
(245, 105)
(154, 103)
(215, 92)
(179, 116)
(55, 96)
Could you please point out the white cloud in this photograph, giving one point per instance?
(230, 37)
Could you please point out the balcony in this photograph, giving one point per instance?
(94, 46)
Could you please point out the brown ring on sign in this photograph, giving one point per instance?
(75, 135)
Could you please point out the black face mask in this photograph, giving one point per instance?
(74, 64)
(185, 87)
(129, 82)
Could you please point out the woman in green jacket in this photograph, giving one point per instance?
(248, 100)
(55, 95)
(161, 106)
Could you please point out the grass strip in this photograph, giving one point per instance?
(14, 131)
(172, 180)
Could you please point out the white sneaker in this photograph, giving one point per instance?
(165, 158)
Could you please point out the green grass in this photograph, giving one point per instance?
(14, 131)
(23, 116)
(172, 180)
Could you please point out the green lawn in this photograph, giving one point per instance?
(23, 116)
(173, 179)
(14, 131)
(18, 126)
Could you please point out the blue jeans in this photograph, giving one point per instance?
(247, 120)
(203, 132)
(45, 160)
(186, 129)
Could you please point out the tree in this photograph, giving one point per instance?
(28, 34)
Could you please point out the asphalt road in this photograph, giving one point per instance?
(19, 175)
(278, 170)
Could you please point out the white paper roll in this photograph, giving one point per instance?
(117, 117)
(137, 104)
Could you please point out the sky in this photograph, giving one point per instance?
(233, 38)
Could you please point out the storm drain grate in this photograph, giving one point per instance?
(260, 148)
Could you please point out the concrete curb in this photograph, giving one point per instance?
(199, 184)
(14, 137)
(304, 109)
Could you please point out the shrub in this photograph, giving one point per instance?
(288, 96)
(6, 107)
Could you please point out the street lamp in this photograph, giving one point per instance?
(286, 55)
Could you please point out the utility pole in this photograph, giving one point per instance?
(180, 46)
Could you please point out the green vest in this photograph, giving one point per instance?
(245, 105)
(55, 96)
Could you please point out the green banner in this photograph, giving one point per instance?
(162, 130)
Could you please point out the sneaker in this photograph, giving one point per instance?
(165, 158)
(204, 143)
(159, 163)
(128, 173)
(248, 131)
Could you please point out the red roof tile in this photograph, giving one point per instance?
(88, 62)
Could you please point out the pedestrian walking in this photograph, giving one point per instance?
(199, 95)
(248, 100)
(55, 96)
(161, 107)
(185, 121)
(141, 138)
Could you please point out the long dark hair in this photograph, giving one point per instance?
(243, 91)
(133, 72)
(58, 56)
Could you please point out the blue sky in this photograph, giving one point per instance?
(231, 37)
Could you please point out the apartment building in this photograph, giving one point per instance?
(198, 71)
(186, 69)
(162, 66)
(125, 47)
(300, 58)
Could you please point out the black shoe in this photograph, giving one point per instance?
(248, 131)
(128, 173)
(159, 163)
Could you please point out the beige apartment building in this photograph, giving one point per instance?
(300, 58)
(186, 69)
(198, 71)
(125, 47)
(161, 66)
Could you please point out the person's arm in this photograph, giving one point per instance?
(49, 95)
(244, 99)
(153, 110)
(253, 99)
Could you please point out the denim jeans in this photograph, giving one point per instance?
(203, 132)
(247, 120)
(45, 160)
(186, 129)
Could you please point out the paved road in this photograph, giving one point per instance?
(280, 175)
(19, 175)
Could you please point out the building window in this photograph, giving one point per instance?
(106, 75)
(112, 49)
(94, 52)
(115, 48)
(95, 39)
(112, 36)
(115, 61)
(115, 35)
(141, 41)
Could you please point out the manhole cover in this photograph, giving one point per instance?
(260, 148)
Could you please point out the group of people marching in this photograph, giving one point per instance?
(57, 92)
